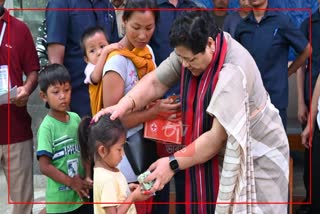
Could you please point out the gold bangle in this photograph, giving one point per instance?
(133, 102)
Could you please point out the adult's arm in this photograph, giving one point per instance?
(155, 84)
(151, 87)
(300, 60)
(30, 66)
(31, 82)
(302, 108)
(201, 150)
(23, 92)
(57, 23)
(114, 85)
(298, 39)
(315, 98)
(96, 74)
(306, 135)
(56, 53)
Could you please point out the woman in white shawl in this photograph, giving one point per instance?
(221, 87)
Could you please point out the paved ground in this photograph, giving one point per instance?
(39, 194)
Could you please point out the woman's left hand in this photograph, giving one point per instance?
(161, 173)
(165, 108)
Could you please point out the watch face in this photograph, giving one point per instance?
(174, 165)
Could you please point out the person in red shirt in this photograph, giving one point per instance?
(18, 57)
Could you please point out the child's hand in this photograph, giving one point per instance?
(139, 195)
(90, 181)
(111, 47)
(81, 186)
(133, 186)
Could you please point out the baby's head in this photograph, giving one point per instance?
(93, 40)
(103, 140)
(55, 87)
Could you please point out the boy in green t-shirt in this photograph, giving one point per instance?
(58, 148)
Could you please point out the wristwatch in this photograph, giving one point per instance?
(174, 165)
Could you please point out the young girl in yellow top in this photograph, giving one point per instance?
(103, 143)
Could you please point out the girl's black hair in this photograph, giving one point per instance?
(192, 30)
(51, 75)
(132, 6)
(89, 32)
(106, 132)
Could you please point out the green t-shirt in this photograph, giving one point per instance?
(59, 141)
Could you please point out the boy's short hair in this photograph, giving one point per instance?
(89, 32)
(51, 75)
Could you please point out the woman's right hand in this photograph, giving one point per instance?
(161, 174)
(109, 110)
(116, 111)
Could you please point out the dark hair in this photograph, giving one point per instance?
(106, 132)
(53, 74)
(192, 30)
(132, 5)
(89, 32)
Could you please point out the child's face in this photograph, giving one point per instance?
(94, 46)
(58, 96)
(115, 153)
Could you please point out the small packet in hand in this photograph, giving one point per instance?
(145, 185)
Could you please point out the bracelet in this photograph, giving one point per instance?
(133, 102)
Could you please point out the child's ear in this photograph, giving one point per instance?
(102, 151)
(85, 59)
(43, 96)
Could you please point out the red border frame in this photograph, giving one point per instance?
(233, 9)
